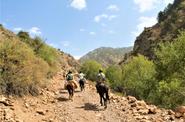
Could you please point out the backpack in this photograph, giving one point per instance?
(101, 77)
(69, 77)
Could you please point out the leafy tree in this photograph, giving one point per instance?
(138, 77)
(170, 67)
(91, 68)
(114, 75)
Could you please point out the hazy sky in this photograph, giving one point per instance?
(79, 26)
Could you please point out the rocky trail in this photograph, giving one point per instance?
(52, 105)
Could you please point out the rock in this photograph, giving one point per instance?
(172, 118)
(131, 99)
(170, 112)
(152, 110)
(178, 115)
(98, 115)
(141, 103)
(5, 101)
(124, 98)
(26, 105)
(41, 112)
(159, 120)
(143, 111)
(8, 115)
(133, 105)
(180, 109)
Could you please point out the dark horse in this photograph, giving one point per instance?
(103, 91)
(82, 84)
(70, 88)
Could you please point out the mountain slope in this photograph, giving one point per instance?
(26, 63)
(170, 21)
(106, 55)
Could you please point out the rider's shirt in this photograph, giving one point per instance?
(101, 78)
(81, 76)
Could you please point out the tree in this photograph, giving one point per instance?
(91, 68)
(114, 75)
(138, 77)
(170, 67)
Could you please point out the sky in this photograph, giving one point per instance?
(80, 26)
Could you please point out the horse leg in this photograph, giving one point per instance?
(69, 93)
(107, 95)
(72, 94)
(101, 97)
(81, 87)
(105, 100)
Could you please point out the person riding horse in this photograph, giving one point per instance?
(100, 79)
(70, 79)
(82, 80)
(102, 88)
(70, 85)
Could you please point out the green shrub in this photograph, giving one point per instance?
(114, 75)
(21, 72)
(51, 56)
(170, 67)
(168, 94)
(138, 77)
(41, 49)
(91, 68)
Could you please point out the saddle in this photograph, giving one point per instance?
(71, 82)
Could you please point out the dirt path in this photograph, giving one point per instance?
(85, 107)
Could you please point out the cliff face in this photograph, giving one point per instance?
(170, 21)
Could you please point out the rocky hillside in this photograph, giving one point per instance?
(26, 63)
(106, 55)
(170, 21)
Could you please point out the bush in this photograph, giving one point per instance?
(41, 49)
(170, 67)
(91, 68)
(114, 75)
(168, 94)
(138, 77)
(51, 56)
(21, 72)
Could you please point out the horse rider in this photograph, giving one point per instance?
(100, 79)
(81, 77)
(82, 80)
(70, 79)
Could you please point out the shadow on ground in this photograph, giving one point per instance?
(62, 99)
(90, 107)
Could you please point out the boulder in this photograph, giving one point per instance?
(41, 112)
(152, 109)
(5, 101)
(131, 99)
(179, 111)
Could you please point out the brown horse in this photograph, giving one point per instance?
(71, 86)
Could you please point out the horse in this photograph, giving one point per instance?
(82, 84)
(70, 86)
(103, 91)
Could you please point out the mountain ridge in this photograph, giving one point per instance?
(106, 55)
